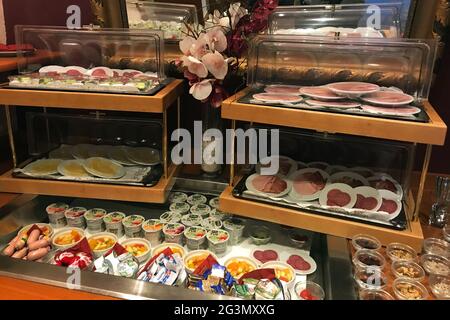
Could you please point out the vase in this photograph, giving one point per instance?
(211, 119)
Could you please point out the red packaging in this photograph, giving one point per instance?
(167, 252)
(259, 274)
(79, 256)
(205, 266)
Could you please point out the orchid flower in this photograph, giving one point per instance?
(236, 13)
(201, 90)
(216, 39)
(216, 64)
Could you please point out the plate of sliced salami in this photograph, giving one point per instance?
(302, 264)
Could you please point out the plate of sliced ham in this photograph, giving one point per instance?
(352, 179)
(390, 206)
(307, 184)
(283, 89)
(388, 98)
(353, 89)
(270, 186)
(334, 104)
(302, 264)
(367, 199)
(277, 97)
(320, 93)
(382, 182)
(286, 165)
(392, 111)
(338, 195)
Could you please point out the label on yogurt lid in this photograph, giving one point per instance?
(114, 217)
(191, 219)
(215, 213)
(212, 223)
(177, 197)
(133, 221)
(180, 207)
(95, 214)
(75, 212)
(57, 207)
(152, 225)
(173, 229)
(201, 209)
(214, 202)
(170, 216)
(234, 224)
(197, 199)
(218, 236)
(195, 233)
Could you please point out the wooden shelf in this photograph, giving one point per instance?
(318, 223)
(155, 194)
(93, 101)
(433, 132)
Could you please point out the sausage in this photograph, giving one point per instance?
(38, 244)
(34, 235)
(20, 243)
(37, 254)
(13, 241)
(20, 254)
(9, 250)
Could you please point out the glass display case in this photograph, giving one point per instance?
(90, 59)
(344, 20)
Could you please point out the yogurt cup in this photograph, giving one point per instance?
(215, 213)
(94, 220)
(235, 227)
(191, 220)
(180, 207)
(170, 217)
(214, 203)
(196, 199)
(75, 217)
(153, 231)
(212, 223)
(133, 225)
(175, 197)
(195, 237)
(113, 222)
(201, 209)
(218, 241)
(56, 215)
(173, 233)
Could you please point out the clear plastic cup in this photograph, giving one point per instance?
(173, 233)
(235, 227)
(195, 237)
(218, 241)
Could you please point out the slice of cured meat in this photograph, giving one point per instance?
(366, 203)
(383, 185)
(337, 198)
(389, 206)
(388, 98)
(321, 93)
(269, 184)
(277, 97)
(309, 183)
(354, 183)
(392, 111)
(298, 263)
(294, 90)
(354, 87)
(334, 104)
(265, 256)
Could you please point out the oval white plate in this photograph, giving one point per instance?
(277, 98)
(308, 259)
(369, 192)
(386, 194)
(331, 170)
(341, 88)
(62, 168)
(50, 164)
(399, 188)
(319, 165)
(321, 93)
(365, 172)
(323, 199)
(250, 187)
(144, 156)
(119, 169)
(292, 162)
(378, 99)
(294, 195)
(352, 175)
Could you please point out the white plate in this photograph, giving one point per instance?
(319, 165)
(283, 89)
(292, 162)
(369, 192)
(365, 172)
(335, 178)
(119, 155)
(399, 189)
(277, 98)
(114, 170)
(323, 199)
(144, 156)
(316, 93)
(334, 104)
(299, 197)
(250, 187)
(392, 111)
(77, 165)
(63, 152)
(81, 151)
(43, 167)
(357, 91)
(308, 259)
(336, 169)
(389, 97)
(386, 194)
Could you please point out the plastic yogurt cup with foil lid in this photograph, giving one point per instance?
(113, 222)
(170, 217)
(133, 225)
(178, 197)
(153, 231)
(75, 217)
(214, 203)
(235, 226)
(216, 213)
(180, 207)
(195, 237)
(201, 209)
(212, 223)
(56, 215)
(218, 241)
(94, 219)
(196, 199)
(173, 233)
(191, 220)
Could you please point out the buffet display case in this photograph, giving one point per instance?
(344, 20)
(342, 89)
(96, 115)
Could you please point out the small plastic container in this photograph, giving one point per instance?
(214, 203)
(153, 231)
(260, 235)
(436, 246)
(212, 223)
(370, 279)
(75, 217)
(195, 237)
(436, 265)
(297, 239)
(218, 241)
(216, 213)
(408, 269)
(407, 289)
(113, 223)
(94, 220)
(190, 220)
(201, 209)
(235, 227)
(309, 291)
(196, 199)
(177, 197)
(374, 294)
(440, 286)
(363, 241)
(101, 243)
(67, 238)
(133, 225)
(56, 215)
(180, 207)
(173, 233)
(369, 259)
(400, 252)
(170, 217)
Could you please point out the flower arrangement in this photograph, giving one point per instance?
(216, 51)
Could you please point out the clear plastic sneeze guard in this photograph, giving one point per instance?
(167, 17)
(352, 20)
(91, 59)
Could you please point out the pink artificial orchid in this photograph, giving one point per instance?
(216, 39)
(236, 13)
(201, 90)
(216, 64)
(186, 45)
(195, 66)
